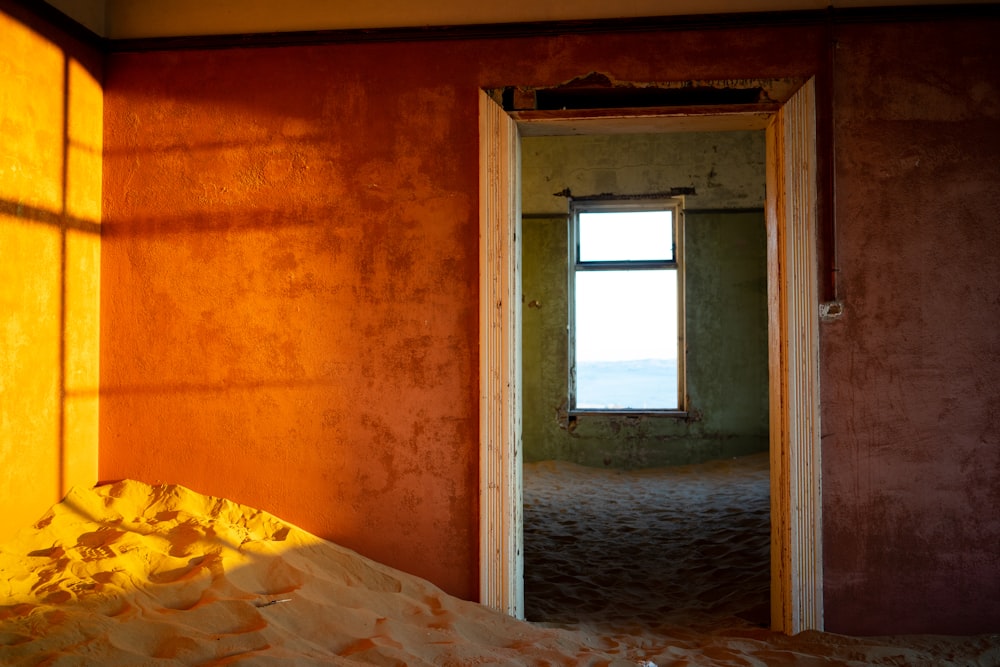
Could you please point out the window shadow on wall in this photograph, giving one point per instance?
(50, 268)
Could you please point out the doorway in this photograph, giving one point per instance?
(637, 502)
(796, 572)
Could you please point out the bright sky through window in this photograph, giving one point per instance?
(638, 329)
(626, 236)
(615, 318)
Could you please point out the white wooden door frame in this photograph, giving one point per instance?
(501, 556)
(793, 361)
(793, 366)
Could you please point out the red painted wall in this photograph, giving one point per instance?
(911, 411)
(289, 291)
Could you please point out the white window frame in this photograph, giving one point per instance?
(628, 204)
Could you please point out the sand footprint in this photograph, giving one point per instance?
(184, 587)
(97, 545)
(184, 535)
(223, 617)
(267, 576)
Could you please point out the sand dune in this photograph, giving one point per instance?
(131, 574)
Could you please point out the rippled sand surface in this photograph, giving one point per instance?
(131, 574)
(685, 546)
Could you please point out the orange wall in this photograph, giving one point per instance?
(51, 117)
(289, 291)
(290, 268)
(289, 295)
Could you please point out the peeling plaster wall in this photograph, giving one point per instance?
(289, 291)
(726, 169)
(50, 206)
(726, 295)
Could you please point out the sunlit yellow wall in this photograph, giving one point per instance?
(51, 110)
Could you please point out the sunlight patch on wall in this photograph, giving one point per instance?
(50, 197)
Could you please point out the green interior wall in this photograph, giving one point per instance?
(725, 295)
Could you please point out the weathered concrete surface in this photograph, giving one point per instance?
(726, 296)
(724, 168)
(50, 208)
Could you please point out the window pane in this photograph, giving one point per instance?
(626, 340)
(626, 235)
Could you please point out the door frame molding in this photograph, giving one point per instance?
(793, 353)
(501, 554)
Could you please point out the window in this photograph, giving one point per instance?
(626, 319)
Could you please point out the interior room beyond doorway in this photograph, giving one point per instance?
(726, 368)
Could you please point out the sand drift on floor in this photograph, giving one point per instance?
(132, 574)
(685, 546)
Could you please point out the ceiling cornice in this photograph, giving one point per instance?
(575, 27)
(731, 20)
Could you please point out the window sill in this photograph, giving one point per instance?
(668, 414)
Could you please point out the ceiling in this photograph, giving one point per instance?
(135, 19)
